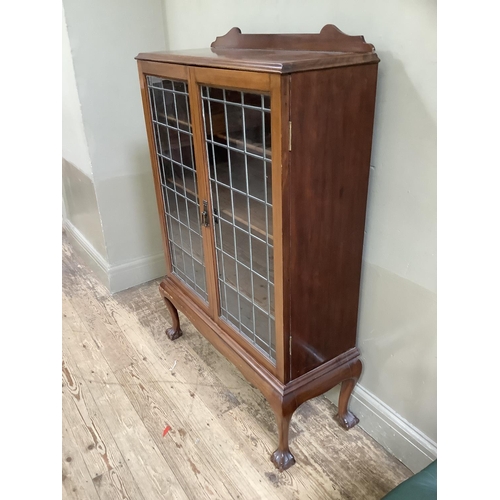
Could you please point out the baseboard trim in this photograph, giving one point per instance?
(135, 272)
(388, 428)
(90, 255)
(116, 277)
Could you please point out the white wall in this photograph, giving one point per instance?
(74, 142)
(104, 38)
(80, 210)
(397, 320)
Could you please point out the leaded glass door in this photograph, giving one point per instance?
(237, 133)
(178, 179)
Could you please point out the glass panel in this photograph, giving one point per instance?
(238, 141)
(174, 149)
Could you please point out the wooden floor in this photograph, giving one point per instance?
(124, 382)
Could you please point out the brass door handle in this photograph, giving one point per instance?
(204, 214)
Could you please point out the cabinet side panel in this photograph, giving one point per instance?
(332, 118)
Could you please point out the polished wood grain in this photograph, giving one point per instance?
(162, 70)
(315, 383)
(329, 170)
(275, 53)
(329, 39)
(146, 105)
(240, 80)
(202, 170)
(279, 110)
(120, 391)
(181, 73)
(174, 332)
(261, 61)
(344, 417)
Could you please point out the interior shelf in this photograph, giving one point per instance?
(257, 217)
(254, 147)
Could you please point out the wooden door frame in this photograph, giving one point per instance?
(272, 85)
(174, 72)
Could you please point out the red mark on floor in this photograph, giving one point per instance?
(167, 428)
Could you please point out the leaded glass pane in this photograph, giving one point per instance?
(174, 149)
(238, 140)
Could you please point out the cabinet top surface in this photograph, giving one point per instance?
(275, 53)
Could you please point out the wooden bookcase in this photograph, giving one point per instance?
(260, 147)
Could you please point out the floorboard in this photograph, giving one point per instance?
(124, 382)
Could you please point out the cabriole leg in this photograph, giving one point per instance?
(345, 418)
(282, 457)
(175, 331)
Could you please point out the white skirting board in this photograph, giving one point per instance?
(119, 276)
(389, 429)
(135, 272)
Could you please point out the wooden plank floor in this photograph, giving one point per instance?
(123, 382)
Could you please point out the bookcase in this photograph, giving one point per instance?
(260, 147)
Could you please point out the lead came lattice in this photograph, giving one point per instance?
(174, 149)
(238, 143)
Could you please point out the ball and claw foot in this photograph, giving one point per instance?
(173, 333)
(347, 421)
(282, 460)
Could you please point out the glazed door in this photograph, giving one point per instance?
(177, 178)
(239, 154)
